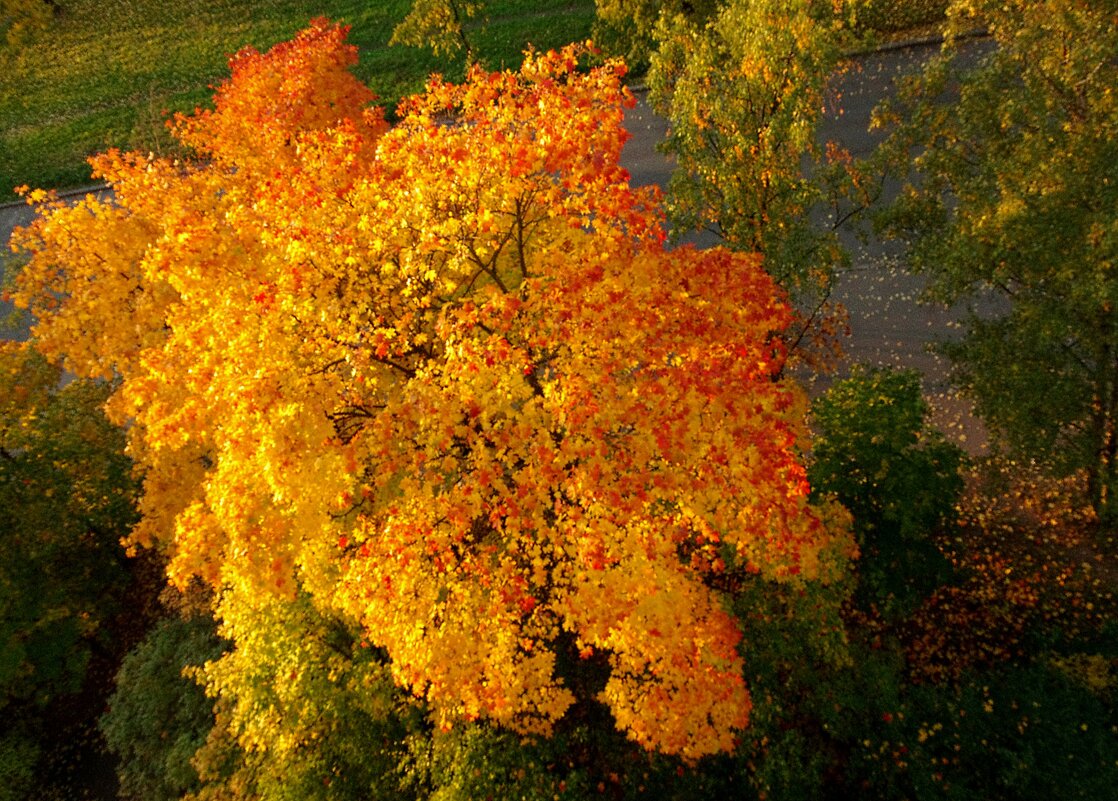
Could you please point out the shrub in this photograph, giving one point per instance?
(158, 718)
(1023, 733)
(876, 454)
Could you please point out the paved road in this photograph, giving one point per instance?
(10, 217)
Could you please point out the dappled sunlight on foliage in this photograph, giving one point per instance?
(439, 25)
(1011, 193)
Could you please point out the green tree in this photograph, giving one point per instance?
(744, 94)
(627, 27)
(875, 453)
(65, 501)
(1015, 191)
(158, 717)
(439, 25)
(66, 493)
(304, 708)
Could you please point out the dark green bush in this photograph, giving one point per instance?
(875, 452)
(1020, 734)
(158, 718)
(18, 755)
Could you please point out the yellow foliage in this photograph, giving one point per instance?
(446, 378)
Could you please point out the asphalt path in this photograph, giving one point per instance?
(889, 326)
(11, 216)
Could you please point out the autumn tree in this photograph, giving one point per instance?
(1014, 191)
(446, 380)
(744, 93)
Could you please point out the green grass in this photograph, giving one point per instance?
(104, 74)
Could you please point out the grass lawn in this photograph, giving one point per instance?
(106, 71)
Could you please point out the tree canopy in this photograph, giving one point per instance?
(1017, 193)
(439, 25)
(446, 379)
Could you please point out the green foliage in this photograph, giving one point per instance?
(157, 717)
(1016, 196)
(888, 16)
(439, 25)
(480, 761)
(65, 501)
(18, 756)
(819, 687)
(585, 759)
(304, 709)
(66, 493)
(22, 19)
(1021, 733)
(875, 452)
(627, 27)
(744, 95)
